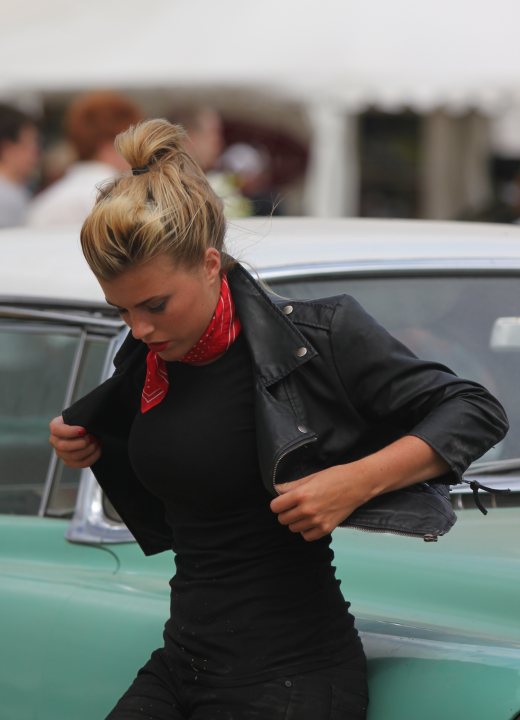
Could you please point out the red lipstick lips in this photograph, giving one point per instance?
(157, 347)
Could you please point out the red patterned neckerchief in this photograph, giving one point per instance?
(222, 331)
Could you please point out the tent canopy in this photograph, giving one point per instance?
(353, 53)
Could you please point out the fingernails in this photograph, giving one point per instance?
(82, 432)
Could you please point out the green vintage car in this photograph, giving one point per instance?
(81, 608)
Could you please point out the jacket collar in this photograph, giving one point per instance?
(277, 346)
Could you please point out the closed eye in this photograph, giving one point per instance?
(157, 308)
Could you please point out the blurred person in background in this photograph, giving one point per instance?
(205, 136)
(55, 161)
(91, 124)
(205, 143)
(251, 167)
(19, 152)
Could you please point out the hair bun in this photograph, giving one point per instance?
(150, 141)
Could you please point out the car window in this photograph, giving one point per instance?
(64, 490)
(450, 319)
(39, 365)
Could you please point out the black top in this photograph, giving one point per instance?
(250, 599)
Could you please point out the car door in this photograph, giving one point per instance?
(47, 359)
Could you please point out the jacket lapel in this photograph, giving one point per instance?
(277, 346)
(277, 349)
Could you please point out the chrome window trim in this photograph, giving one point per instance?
(37, 328)
(76, 318)
(53, 471)
(89, 524)
(59, 304)
(393, 267)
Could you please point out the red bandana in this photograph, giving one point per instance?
(222, 331)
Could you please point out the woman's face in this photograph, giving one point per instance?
(167, 306)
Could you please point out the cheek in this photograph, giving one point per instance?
(191, 305)
(178, 319)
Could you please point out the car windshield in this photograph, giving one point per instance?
(469, 323)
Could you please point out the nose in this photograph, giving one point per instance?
(141, 328)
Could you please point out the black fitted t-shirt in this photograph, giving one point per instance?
(250, 599)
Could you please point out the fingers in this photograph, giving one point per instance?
(298, 522)
(285, 502)
(313, 534)
(296, 518)
(93, 456)
(308, 529)
(289, 517)
(59, 429)
(297, 510)
(283, 488)
(73, 445)
(84, 461)
(61, 445)
(291, 506)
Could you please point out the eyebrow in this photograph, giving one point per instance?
(155, 298)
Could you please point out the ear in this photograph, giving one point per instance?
(212, 264)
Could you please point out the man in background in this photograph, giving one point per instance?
(19, 154)
(91, 125)
(205, 143)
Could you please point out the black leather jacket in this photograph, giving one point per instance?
(331, 386)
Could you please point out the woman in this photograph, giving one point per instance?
(240, 434)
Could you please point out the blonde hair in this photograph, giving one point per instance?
(168, 208)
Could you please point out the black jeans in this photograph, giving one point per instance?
(333, 693)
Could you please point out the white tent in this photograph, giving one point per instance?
(355, 52)
(335, 56)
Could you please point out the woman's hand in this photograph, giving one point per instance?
(73, 445)
(317, 503)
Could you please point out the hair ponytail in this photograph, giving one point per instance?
(166, 206)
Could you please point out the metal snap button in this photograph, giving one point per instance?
(301, 352)
(302, 429)
(288, 683)
(287, 310)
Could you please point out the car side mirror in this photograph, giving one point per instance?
(505, 335)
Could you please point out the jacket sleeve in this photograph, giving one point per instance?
(458, 418)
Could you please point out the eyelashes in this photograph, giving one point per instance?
(154, 309)
(157, 308)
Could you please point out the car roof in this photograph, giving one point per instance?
(48, 264)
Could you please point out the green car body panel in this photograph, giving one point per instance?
(440, 621)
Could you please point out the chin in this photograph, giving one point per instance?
(172, 355)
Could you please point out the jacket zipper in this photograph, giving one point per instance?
(294, 446)
(429, 537)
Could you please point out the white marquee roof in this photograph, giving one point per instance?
(455, 53)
